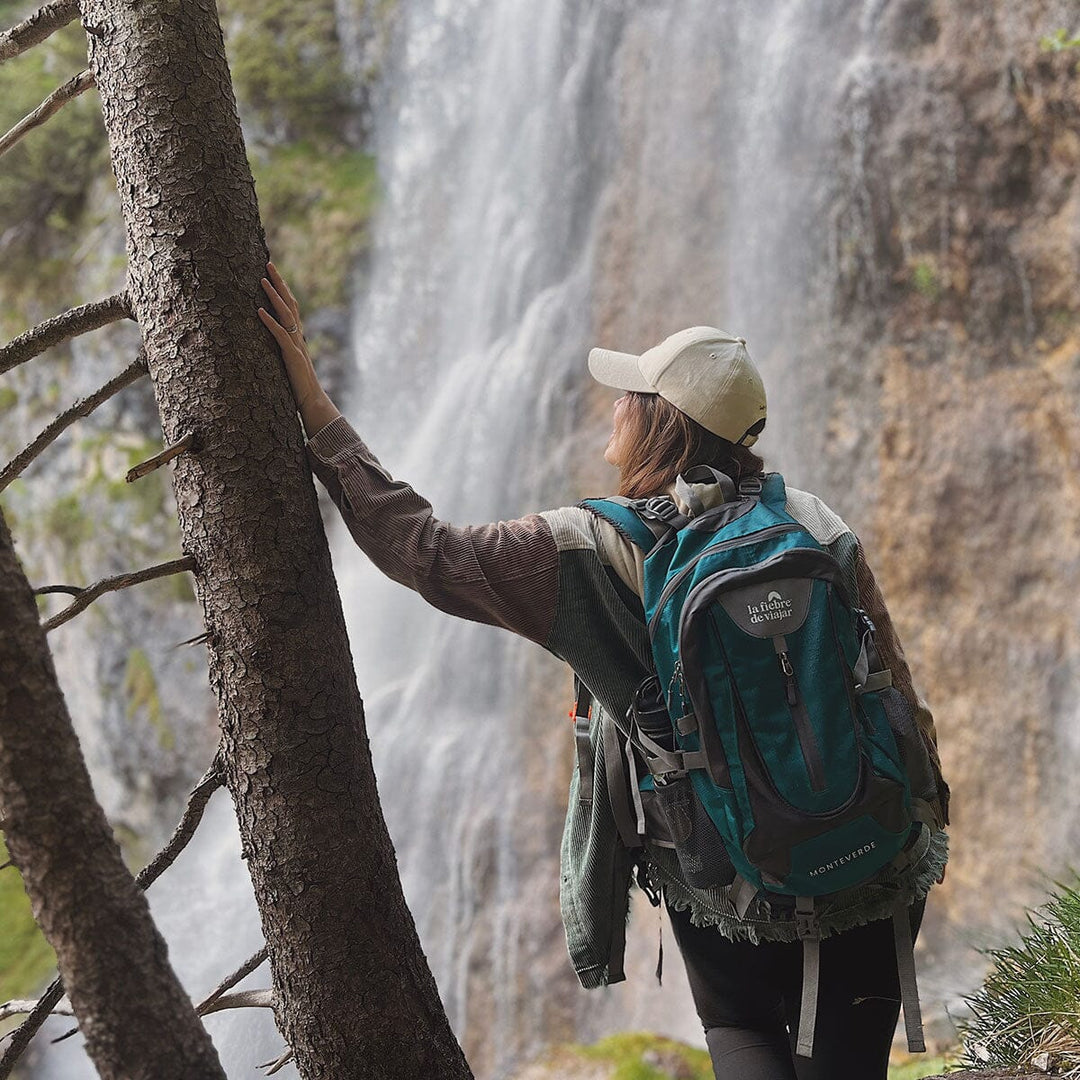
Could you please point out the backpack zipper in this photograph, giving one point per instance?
(804, 729)
(735, 541)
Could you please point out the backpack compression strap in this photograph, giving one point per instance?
(621, 514)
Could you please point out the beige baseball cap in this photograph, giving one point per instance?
(704, 372)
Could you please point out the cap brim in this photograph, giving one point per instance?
(619, 370)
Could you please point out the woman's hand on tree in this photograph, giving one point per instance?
(289, 334)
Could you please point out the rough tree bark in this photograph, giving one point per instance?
(136, 1018)
(355, 995)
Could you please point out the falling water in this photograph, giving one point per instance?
(556, 174)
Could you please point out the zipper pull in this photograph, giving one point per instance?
(790, 689)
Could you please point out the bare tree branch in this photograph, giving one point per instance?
(85, 597)
(242, 972)
(198, 639)
(21, 1036)
(68, 590)
(20, 1008)
(135, 370)
(5, 865)
(239, 999)
(274, 1066)
(80, 320)
(76, 85)
(188, 442)
(211, 780)
(35, 29)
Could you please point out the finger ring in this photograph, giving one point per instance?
(292, 329)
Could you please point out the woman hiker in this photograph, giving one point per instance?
(572, 582)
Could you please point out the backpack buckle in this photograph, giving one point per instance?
(806, 921)
(659, 508)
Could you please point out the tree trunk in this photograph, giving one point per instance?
(355, 995)
(137, 1019)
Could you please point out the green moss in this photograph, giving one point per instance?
(925, 278)
(919, 1066)
(627, 1052)
(25, 956)
(66, 521)
(141, 692)
(316, 202)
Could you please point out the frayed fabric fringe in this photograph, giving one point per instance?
(852, 907)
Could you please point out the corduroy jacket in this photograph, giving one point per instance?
(572, 583)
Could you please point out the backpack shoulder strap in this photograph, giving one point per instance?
(621, 515)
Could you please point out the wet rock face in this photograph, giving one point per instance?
(955, 366)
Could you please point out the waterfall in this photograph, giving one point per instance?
(556, 174)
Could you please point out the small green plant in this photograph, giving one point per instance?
(925, 279)
(1061, 41)
(1027, 1012)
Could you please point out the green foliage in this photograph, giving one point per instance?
(141, 691)
(46, 176)
(1029, 1003)
(925, 279)
(315, 201)
(25, 956)
(1059, 41)
(630, 1054)
(286, 65)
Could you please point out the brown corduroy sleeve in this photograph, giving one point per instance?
(892, 656)
(504, 574)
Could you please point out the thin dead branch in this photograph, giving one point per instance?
(67, 590)
(239, 999)
(274, 1066)
(83, 407)
(242, 972)
(35, 29)
(198, 639)
(85, 597)
(80, 320)
(5, 865)
(211, 780)
(188, 442)
(21, 1036)
(76, 85)
(20, 1008)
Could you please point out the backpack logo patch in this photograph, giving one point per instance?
(844, 859)
(774, 606)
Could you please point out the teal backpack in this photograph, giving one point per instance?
(770, 743)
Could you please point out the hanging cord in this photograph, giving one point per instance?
(660, 950)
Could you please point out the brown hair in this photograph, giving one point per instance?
(662, 442)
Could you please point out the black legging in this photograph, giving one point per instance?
(748, 999)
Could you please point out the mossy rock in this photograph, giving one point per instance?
(630, 1056)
